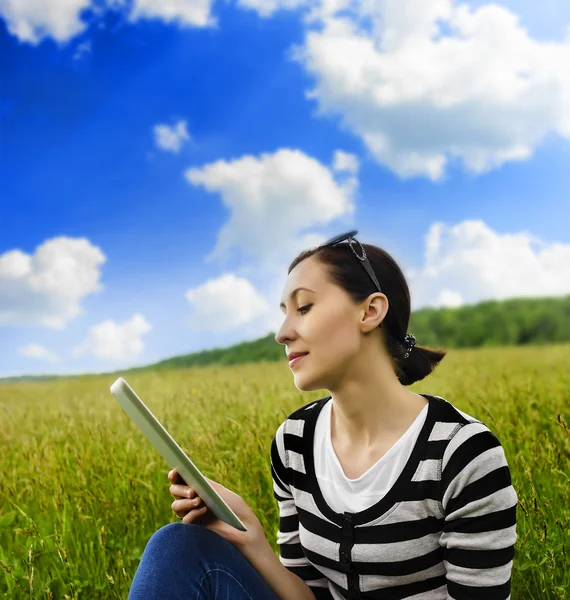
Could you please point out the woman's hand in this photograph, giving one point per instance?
(193, 510)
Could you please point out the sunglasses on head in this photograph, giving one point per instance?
(338, 239)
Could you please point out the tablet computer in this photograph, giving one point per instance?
(172, 452)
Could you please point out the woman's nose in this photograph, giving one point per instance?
(282, 337)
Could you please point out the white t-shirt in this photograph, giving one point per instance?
(354, 495)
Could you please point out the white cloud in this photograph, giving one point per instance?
(225, 303)
(40, 352)
(171, 138)
(194, 13)
(469, 262)
(46, 288)
(271, 198)
(426, 83)
(343, 161)
(119, 342)
(33, 20)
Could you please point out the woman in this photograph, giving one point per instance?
(382, 493)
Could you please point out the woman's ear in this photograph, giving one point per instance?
(375, 310)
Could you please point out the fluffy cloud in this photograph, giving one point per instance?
(194, 13)
(119, 342)
(427, 83)
(40, 352)
(34, 20)
(46, 288)
(469, 262)
(271, 198)
(171, 138)
(225, 303)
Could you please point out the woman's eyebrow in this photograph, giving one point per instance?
(294, 293)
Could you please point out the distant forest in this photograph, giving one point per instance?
(494, 323)
(491, 323)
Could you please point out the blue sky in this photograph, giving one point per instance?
(162, 163)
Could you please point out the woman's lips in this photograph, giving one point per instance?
(293, 362)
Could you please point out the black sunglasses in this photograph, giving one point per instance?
(350, 237)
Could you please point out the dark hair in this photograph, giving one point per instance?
(343, 270)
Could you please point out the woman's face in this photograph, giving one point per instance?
(326, 327)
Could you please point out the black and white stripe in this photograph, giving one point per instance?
(445, 530)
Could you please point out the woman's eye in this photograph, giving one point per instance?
(304, 309)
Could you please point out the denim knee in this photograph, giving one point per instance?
(183, 561)
(185, 538)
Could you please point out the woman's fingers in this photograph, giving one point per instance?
(188, 505)
(179, 489)
(175, 477)
(182, 491)
(189, 509)
(181, 507)
(194, 515)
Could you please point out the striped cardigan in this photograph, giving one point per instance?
(446, 528)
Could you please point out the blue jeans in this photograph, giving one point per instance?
(184, 561)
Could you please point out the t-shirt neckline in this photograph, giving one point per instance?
(385, 457)
(389, 499)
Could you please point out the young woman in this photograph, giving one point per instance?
(382, 493)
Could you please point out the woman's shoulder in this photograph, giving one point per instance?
(447, 411)
(294, 422)
(462, 429)
(455, 426)
(303, 411)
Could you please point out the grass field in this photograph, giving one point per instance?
(82, 490)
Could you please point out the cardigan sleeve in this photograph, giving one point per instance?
(291, 553)
(479, 503)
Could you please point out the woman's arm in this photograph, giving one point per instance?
(479, 503)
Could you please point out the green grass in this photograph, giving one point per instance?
(82, 490)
